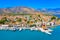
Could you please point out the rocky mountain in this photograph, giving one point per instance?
(17, 10)
(27, 10)
(52, 11)
(55, 12)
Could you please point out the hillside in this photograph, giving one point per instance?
(28, 10)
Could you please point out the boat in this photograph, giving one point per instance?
(46, 31)
(33, 28)
(20, 29)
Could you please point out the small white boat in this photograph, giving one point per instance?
(50, 30)
(12, 28)
(31, 29)
(36, 28)
(46, 31)
(20, 29)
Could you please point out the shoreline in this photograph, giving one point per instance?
(14, 28)
(48, 31)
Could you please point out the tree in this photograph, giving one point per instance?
(53, 18)
(32, 25)
(2, 21)
(35, 20)
(4, 18)
(38, 15)
(19, 20)
(28, 22)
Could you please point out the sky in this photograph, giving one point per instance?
(30, 3)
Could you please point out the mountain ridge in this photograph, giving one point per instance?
(28, 10)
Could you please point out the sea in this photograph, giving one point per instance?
(30, 35)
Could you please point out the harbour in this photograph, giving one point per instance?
(29, 35)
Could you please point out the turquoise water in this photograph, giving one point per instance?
(30, 35)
